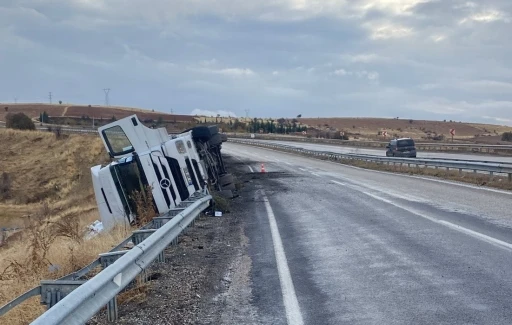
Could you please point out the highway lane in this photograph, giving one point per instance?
(368, 247)
(382, 152)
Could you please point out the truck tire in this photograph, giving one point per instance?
(230, 186)
(226, 179)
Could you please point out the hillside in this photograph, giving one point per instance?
(40, 168)
(46, 190)
(96, 111)
(370, 128)
(361, 128)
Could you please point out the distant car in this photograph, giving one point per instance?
(404, 147)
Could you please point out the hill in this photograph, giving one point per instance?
(46, 190)
(370, 128)
(63, 111)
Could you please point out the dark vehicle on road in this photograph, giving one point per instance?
(404, 147)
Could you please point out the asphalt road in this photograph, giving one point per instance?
(382, 152)
(332, 244)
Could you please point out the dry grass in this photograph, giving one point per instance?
(51, 197)
(52, 253)
(144, 205)
(42, 168)
(500, 182)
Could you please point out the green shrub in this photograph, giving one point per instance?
(19, 121)
(507, 136)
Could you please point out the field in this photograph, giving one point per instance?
(418, 129)
(356, 128)
(46, 189)
(77, 111)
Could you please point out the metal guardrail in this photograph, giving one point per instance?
(459, 147)
(488, 167)
(74, 301)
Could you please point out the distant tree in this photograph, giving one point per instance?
(113, 119)
(506, 136)
(19, 121)
(411, 121)
(160, 121)
(6, 108)
(60, 102)
(205, 120)
(299, 116)
(89, 105)
(44, 118)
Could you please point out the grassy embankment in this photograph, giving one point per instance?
(46, 189)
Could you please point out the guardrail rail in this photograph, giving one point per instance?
(72, 300)
(477, 166)
(432, 146)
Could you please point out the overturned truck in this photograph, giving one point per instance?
(170, 168)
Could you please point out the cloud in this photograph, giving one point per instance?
(341, 72)
(285, 91)
(274, 57)
(438, 38)
(235, 72)
(205, 112)
(361, 58)
(387, 30)
(370, 75)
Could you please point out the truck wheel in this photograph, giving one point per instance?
(226, 179)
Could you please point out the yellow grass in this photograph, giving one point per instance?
(65, 254)
(55, 174)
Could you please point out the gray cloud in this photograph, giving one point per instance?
(408, 58)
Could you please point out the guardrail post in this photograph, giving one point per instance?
(510, 177)
(460, 171)
(53, 291)
(139, 236)
(107, 259)
(112, 311)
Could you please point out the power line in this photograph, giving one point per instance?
(247, 113)
(107, 102)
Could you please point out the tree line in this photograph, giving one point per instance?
(281, 126)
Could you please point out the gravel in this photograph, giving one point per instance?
(205, 279)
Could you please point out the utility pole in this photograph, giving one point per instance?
(106, 90)
(15, 100)
(50, 96)
(172, 111)
(246, 113)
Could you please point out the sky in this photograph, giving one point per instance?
(420, 59)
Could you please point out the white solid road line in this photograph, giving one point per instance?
(250, 168)
(288, 163)
(315, 174)
(455, 183)
(475, 234)
(304, 170)
(489, 239)
(291, 304)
